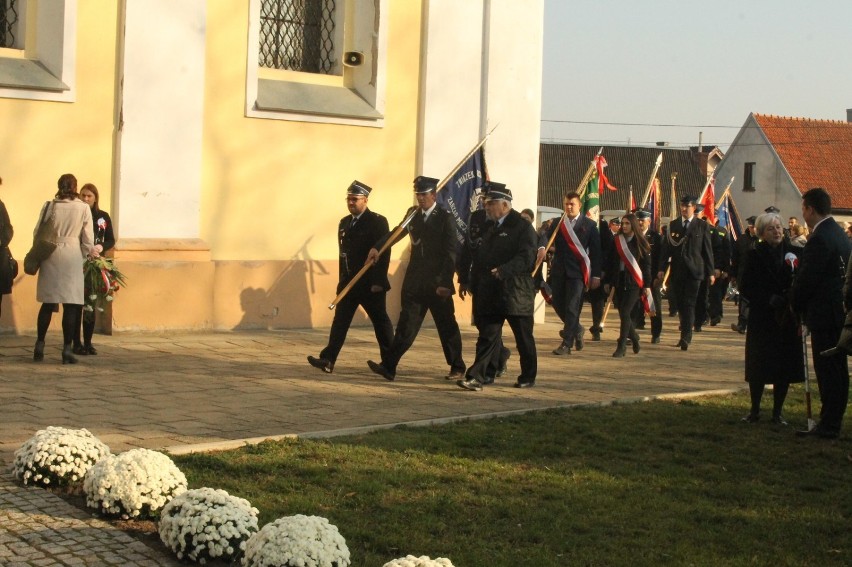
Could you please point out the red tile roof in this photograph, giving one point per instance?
(816, 153)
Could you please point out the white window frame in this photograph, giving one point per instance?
(356, 97)
(45, 69)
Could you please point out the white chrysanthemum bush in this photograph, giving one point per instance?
(58, 457)
(134, 484)
(422, 561)
(297, 541)
(205, 524)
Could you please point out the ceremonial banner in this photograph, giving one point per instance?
(591, 200)
(654, 206)
(728, 217)
(460, 195)
(708, 200)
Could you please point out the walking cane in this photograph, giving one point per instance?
(811, 421)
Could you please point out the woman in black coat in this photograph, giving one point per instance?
(773, 348)
(629, 278)
(7, 274)
(104, 241)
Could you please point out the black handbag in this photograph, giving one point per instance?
(44, 242)
(8, 270)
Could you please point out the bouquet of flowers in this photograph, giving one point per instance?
(102, 282)
(205, 524)
(422, 561)
(57, 456)
(297, 541)
(135, 484)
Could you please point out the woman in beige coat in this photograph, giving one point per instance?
(60, 277)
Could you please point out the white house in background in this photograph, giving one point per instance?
(774, 159)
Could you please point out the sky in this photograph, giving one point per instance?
(700, 66)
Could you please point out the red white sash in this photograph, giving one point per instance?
(576, 248)
(632, 266)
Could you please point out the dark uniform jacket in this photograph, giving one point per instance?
(6, 232)
(511, 247)
(623, 279)
(354, 245)
(476, 227)
(721, 248)
(745, 244)
(433, 252)
(566, 261)
(691, 254)
(818, 288)
(656, 242)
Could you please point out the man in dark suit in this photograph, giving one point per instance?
(598, 297)
(818, 296)
(356, 234)
(478, 225)
(745, 244)
(428, 282)
(688, 248)
(655, 241)
(503, 290)
(576, 266)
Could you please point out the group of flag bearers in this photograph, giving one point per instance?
(498, 255)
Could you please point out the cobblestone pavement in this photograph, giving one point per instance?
(186, 392)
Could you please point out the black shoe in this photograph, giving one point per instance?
(38, 351)
(655, 340)
(471, 384)
(455, 374)
(380, 370)
(323, 364)
(596, 335)
(737, 328)
(578, 340)
(562, 350)
(504, 358)
(67, 357)
(487, 380)
(779, 420)
(819, 431)
(90, 350)
(620, 350)
(524, 384)
(78, 349)
(697, 328)
(683, 344)
(751, 418)
(715, 321)
(634, 341)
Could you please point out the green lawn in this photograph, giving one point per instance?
(676, 483)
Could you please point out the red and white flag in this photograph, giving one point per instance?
(576, 248)
(708, 199)
(632, 267)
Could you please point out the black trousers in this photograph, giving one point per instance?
(742, 318)
(568, 303)
(716, 297)
(685, 294)
(701, 301)
(414, 308)
(656, 321)
(832, 375)
(597, 301)
(625, 300)
(489, 343)
(375, 306)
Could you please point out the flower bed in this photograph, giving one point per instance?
(135, 484)
(205, 524)
(423, 561)
(58, 457)
(297, 541)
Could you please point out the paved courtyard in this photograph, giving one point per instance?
(184, 392)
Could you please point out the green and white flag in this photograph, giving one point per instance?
(591, 200)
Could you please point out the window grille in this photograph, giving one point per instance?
(8, 19)
(297, 35)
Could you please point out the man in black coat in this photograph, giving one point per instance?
(428, 283)
(818, 296)
(688, 248)
(356, 234)
(656, 243)
(576, 267)
(477, 226)
(503, 290)
(745, 244)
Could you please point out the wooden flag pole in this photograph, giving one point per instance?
(581, 189)
(390, 241)
(647, 194)
(608, 305)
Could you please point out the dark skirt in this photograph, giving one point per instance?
(773, 349)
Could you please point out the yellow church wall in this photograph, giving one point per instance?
(41, 140)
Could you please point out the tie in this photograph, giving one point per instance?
(424, 217)
(685, 224)
(353, 221)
